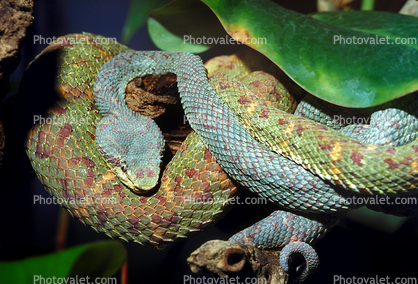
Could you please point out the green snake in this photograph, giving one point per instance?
(306, 168)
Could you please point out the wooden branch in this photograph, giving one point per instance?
(228, 259)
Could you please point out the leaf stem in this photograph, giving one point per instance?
(367, 5)
(61, 236)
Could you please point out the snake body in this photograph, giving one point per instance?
(123, 135)
(194, 190)
(302, 166)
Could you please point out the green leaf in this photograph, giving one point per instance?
(306, 49)
(177, 26)
(101, 259)
(138, 11)
(386, 223)
(367, 5)
(383, 23)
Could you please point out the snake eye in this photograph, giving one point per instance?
(160, 246)
(123, 167)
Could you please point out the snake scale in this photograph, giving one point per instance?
(89, 160)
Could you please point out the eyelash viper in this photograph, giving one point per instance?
(272, 153)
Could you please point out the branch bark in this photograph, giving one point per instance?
(228, 259)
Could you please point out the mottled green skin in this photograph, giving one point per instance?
(345, 162)
(194, 190)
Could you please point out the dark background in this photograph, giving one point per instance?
(352, 248)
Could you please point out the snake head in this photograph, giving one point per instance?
(132, 147)
(139, 179)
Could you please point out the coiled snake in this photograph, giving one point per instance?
(89, 157)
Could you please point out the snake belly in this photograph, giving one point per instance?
(194, 190)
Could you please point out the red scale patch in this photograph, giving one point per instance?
(89, 181)
(156, 218)
(223, 85)
(206, 186)
(164, 223)
(140, 173)
(162, 199)
(300, 130)
(103, 126)
(67, 195)
(102, 217)
(90, 172)
(133, 231)
(65, 42)
(106, 192)
(60, 142)
(63, 184)
(41, 152)
(58, 109)
(356, 157)
(207, 197)
(174, 219)
(191, 173)
(100, 208)
(283, 121)
(133, 220)
(244, 100)
(324, 146)
(277, 94)
(88, 162)
(41, 137)
(255, 83)
(178, 190)
(406, 161)
(178, 180)
(182, 151)
(150, 173)
(197, 197)
(391, 150)
(415, 147)
(117, 188)
(208, 156)
(392, 164)
(251, 236)
(229, 66)
(264, 114)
